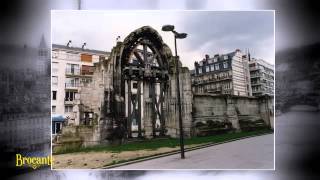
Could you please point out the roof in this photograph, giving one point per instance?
(220, 56)
(79, 49)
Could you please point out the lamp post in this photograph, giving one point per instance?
(177, 36)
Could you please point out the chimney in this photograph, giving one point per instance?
(84, 46)
(118, 39)
(69, 43)
(207, 57)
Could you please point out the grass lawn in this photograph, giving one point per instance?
(170, 142)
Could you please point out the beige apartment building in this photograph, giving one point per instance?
(72, 68)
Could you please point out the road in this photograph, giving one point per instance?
(250, 153)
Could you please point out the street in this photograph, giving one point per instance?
(250, 153)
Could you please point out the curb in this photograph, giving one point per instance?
(178, 151)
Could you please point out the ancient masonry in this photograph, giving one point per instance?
(137, 85)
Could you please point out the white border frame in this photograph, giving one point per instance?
(204, 10)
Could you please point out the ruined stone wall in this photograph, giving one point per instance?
(172, 121)
(93, 99)
(230, 108)
(266, 107)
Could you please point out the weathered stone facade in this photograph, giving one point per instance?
(172, 122)
(233, 109)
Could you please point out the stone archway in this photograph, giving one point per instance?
(141, 79)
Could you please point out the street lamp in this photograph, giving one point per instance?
(177, 36)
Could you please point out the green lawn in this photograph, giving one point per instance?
(170, 142)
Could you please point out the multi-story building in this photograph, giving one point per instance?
(72, 68)
(222, 74)
(262, 77)
(24, 117)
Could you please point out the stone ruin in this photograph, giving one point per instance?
(134, 88)
(133, 95)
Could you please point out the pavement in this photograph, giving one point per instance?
(251, 153)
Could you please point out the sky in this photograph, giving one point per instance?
(209, 32)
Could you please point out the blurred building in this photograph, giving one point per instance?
(72, 68)
(24, 117)
(222, 74)
(262, 77)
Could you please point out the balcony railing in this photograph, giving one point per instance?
(75, 71)
(212, 80)
(72, 85)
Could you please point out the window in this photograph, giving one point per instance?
(216, 66)
(54, 80)
(135, 85)
(212, 67)
(53, 109)
(225, 57)
(68, 109)
(215, 59)
(57, 127)
(70, 95)
(72, 82)
(54, 95)
(73, 69)
(225, 65)
(87, 70)
(54, 67)
(207, 69)
(200, 71)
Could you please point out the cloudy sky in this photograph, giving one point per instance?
(209, 32)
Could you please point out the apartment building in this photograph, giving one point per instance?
(222, 74)
(72, 68)
(262, 77)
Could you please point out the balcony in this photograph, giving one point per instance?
(212, 80)
(71, 101)
(253, 68)
(256, 75)
(72, 85)
(73, 72)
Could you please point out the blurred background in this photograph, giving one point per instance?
(25, 85)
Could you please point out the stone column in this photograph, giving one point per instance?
(265, 109)
(232, 113)
(147, 110)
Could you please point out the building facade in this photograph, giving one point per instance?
(222, 74)
(72, 69)
(262, 77)
(24, 87)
